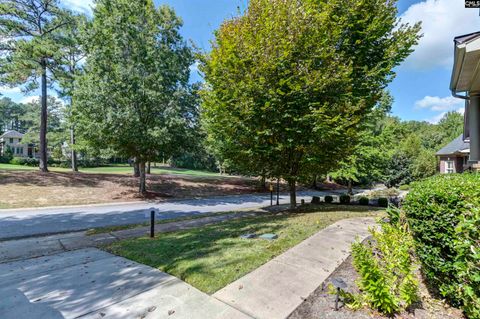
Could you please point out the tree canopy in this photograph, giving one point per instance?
(29, 50)
(289, 83)
(131, 95)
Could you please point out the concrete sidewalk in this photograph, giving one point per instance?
(277, 288)
(90, 283)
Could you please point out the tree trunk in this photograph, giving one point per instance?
(136, 168)
(149, 168)
(314, 182)
(142, 189)
(221, 169)
(292, 185)
(263, 182)
(43, 121)
(350, 187)
(74, 153)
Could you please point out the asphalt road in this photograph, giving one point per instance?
(17, 223)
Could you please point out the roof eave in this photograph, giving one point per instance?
(459, 56)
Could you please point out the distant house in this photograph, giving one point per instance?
(12, 140)
(454, 157)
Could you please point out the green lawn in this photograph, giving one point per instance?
(114, 169)
(211, 257)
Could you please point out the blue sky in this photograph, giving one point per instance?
(421, 86)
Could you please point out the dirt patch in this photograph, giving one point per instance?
(321, 305)
(35, 189)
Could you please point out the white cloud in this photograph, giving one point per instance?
(30, 99)
(36, 99)
(83, 6)
(435, 119)
(6, 90)
(435, 103)
(442, 20)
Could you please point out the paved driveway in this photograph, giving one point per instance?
(90, 283)
(15, 223)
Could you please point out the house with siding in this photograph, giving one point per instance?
(465, 84)
(454, 157)
(12, 140)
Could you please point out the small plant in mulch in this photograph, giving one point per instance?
(387, 271)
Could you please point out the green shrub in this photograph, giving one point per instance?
(5, 159)
(16, 161)
(442, 212)
(393, 214)
(386, 268)
(363, 201)
(383, 202)
(404, 187)
(467, 262)
(26, 161)
(315, 200)
(328, 199)
(344, 199)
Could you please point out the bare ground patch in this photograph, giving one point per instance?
(35, 189)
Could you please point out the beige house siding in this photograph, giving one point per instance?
(13, 140)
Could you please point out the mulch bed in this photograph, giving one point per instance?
(321, 305)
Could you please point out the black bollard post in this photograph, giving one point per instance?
(152, 224)
(271, 195)
(278, 191)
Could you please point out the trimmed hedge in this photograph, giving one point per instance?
(363, 201)
(443, 214)
(5, 159)
(328, 199)
(383, 202)
(26, 161)
(344, 199)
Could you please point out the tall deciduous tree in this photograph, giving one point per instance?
(290, 81)
(29, 47)
(130, 97)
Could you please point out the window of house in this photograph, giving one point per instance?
(11, 140)
(449, 167)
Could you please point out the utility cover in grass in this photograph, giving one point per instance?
(269, 236)
(248, 236)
